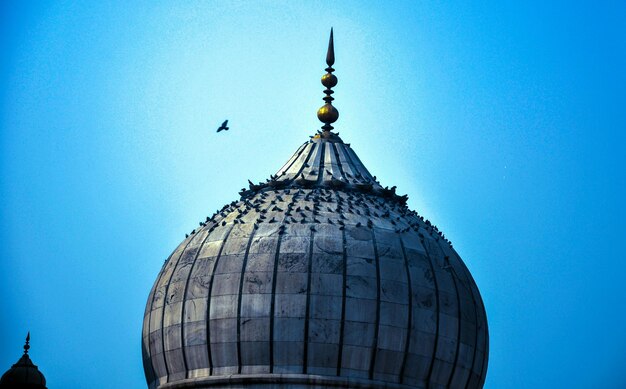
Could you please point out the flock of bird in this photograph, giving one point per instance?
(311, 206)
(256, 188)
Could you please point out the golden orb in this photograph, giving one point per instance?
(329, 80)
(327, 114)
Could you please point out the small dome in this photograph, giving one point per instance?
(23, 374)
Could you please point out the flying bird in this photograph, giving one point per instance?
(223, 127)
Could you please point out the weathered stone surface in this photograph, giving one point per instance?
(320, 277)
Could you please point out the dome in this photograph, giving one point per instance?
(23, 374)
(318, 277)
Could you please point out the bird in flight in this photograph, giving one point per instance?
(223, 127)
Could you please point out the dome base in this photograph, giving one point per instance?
(282, 381)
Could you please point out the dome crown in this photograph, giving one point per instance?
(325, 161)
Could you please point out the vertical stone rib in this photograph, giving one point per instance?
(335, 153)
(477, 300)
(343, 302)
(305, 351)
(208, 307)
(274, 280)
(182, 314)
(320, 172)
(151, 300)
(475, 306)
(291, 161)
(344, 161)
(296, 167)
(410, 319)
(483, 372)
(310, 153)
(479, 306)
(458, 314)
(167, 287)
(469, 377)
(272, 306)
(239, 298)
(377, 323)
(357, 163)
(310, 172)
(432, 269)
(240, 293)
(467, 286)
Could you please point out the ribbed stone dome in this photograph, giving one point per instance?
(319, 277)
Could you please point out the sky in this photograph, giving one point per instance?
(504, 122)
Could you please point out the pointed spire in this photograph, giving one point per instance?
(328, 114)
(330, 55)
(26, 345)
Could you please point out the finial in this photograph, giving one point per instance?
(26, 345)
(328, 114)
(330, 54)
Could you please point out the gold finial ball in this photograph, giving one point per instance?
(327, 114)
(329, 80)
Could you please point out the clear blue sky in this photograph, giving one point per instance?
(505, 125)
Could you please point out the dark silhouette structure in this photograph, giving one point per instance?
(23, 374)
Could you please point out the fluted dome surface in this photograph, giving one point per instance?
(318, 277)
